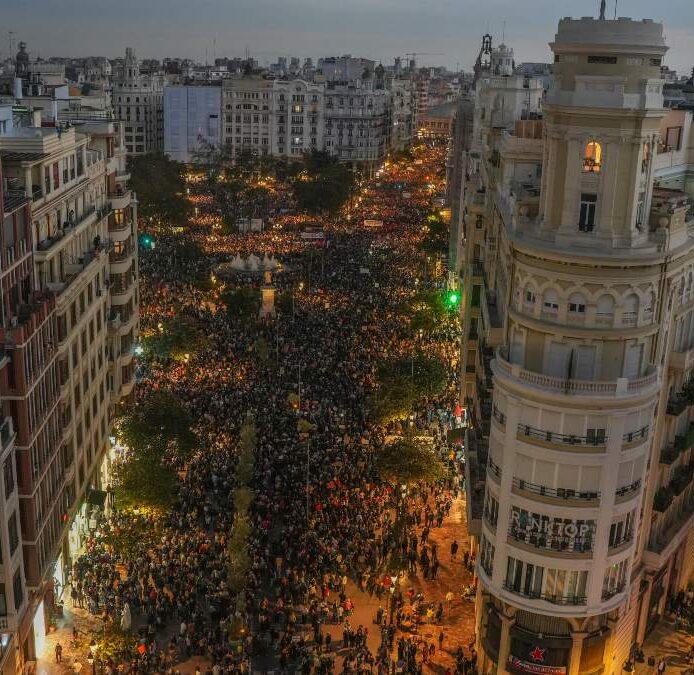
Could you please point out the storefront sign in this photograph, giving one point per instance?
(521, 666)
(551, 527)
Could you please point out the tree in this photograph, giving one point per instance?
(392, 401)
(427, 311)
(160, 187)
(145, 480)
(159, 426)
(242, 303)
(324, 185)
(178, 338)
(408, 460)
(425, 375)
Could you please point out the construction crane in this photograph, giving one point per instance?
(414, 55)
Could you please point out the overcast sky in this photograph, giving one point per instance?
(378, 29)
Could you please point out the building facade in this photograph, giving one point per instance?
(68, 326)
(138, 101)
(574, 352)
(192, 119)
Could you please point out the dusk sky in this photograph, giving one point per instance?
(378, 29)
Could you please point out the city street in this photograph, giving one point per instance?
(311, 407)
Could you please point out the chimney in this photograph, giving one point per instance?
(54, 111)
(17, 88)
(36, 119)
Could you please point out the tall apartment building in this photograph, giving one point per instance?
(358, 117)
(192, 119)
(138, 100)
(67, 329)
(576, 353)
(402, 124)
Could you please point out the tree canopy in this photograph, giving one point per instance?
(158, 426)
(160, 187)
(324, 184)
(179, 337)
(242, 303)
(408, 460)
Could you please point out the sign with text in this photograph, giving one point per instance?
(521, 666)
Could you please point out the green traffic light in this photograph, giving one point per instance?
(453, 298)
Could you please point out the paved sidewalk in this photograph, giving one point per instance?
(669, 642)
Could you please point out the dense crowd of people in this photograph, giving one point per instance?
(321, 519)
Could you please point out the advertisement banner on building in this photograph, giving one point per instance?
(520, 666)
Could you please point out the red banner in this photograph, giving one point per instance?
(537, 668)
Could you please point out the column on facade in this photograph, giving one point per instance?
(608, 488)
(577, 638)
(507, 621)
(568, 220)
(513, 416)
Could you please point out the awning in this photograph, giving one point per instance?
(96, 498)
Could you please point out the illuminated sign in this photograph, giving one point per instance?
(521, 666)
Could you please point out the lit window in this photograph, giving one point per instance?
(592, 158)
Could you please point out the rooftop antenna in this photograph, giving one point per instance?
(616, 2)
(603, 7)
(503, 33)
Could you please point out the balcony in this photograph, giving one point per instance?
(559, 496)
(682, 360)
(553, 545)
(7, 432)
(628, 492)
(551, 385)
(47, 246)
(13, 200)
(571, 600)
(120, 199)
(530, 434)
(611, 592)
(669, 529)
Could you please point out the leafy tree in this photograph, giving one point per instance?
(425, 375)
(238, 554)
(160, 187)
(180, 336)
(392, 401)
(158, 426)
(262, 350)
(324, 185)
(242, 303)
(408, 460)
(144, 479)
(427, 311)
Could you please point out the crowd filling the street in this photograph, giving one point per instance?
(316, 523)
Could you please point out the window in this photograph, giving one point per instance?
(605, 310)
(8, 474)
(640, 206)
(577, 304)
(487, 551)
(646, 157)
(13, 533)
(17, 588)
(602, 59)
(596, 436)
(586, 217)
(529, 296)
(592, 157)
(673, 139)
(550, 302)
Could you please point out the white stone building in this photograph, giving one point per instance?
(577, 292)
(138, 100)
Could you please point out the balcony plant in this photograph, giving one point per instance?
(662, 499)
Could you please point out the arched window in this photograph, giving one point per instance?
(529, 295)
(605, 310)
(577, 304)
(550, 302)
(631, 310)
(592, 157)
(648, 308)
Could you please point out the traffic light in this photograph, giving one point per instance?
(452, 298)
(147, 241)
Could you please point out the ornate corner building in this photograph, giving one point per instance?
(577, 275)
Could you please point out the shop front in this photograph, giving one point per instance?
(536, 653)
